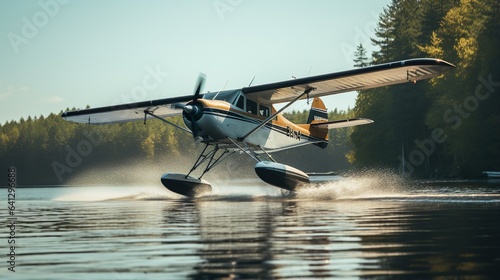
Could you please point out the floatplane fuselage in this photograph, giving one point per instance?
(228, 122)
(246, 120)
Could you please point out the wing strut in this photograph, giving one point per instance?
(264, 122)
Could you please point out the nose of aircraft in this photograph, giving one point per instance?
(190, 109)
(192, 113)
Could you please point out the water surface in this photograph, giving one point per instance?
(364, 227)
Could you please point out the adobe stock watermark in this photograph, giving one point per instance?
(222, 7)
(454, 117)
(31, 26)
(75, 155)
(361, 36)
(11, 218)
(151, 81)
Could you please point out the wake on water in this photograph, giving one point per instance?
(363, 185)
(140, 180)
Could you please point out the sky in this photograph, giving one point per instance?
(58, 54)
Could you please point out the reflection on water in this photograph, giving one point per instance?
(439, 232)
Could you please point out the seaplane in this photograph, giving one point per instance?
(245, 121)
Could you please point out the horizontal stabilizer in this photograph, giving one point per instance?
(342, 123)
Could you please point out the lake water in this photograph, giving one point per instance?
(371, 226)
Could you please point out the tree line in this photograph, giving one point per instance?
(446, 127)
(50, 150)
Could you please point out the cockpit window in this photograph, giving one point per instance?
(227, 95)
(241, 102)
(263, 111)
(251, 107)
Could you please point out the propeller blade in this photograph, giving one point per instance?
(196, 131)
(199, 87)
(192, 111)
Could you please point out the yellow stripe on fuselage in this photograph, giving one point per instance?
(279, 120)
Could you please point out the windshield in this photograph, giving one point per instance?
(227, 95)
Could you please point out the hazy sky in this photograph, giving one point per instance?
(56, 54)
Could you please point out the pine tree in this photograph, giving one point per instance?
(360, 58)
(384, 36)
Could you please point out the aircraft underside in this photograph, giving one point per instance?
(276, 174)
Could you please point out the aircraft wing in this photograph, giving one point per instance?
(411, 70)
(128, 112)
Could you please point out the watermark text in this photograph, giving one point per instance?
(32, 26)
(453, 116)
(11, 218)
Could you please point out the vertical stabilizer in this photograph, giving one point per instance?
(318, 111)
(318, 114)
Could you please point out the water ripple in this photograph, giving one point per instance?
(130, 233)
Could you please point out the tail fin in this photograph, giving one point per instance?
(318, 111)
(318, 114)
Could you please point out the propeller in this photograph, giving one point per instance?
(199, 87)
(196, 95)
(193, 110)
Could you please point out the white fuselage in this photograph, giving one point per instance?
(218, 123)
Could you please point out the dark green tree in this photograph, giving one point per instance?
(360, 58)
(468, 110)
(399, 111)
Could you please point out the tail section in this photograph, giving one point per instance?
(318, 114)
(319, 125)
(318, 111)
